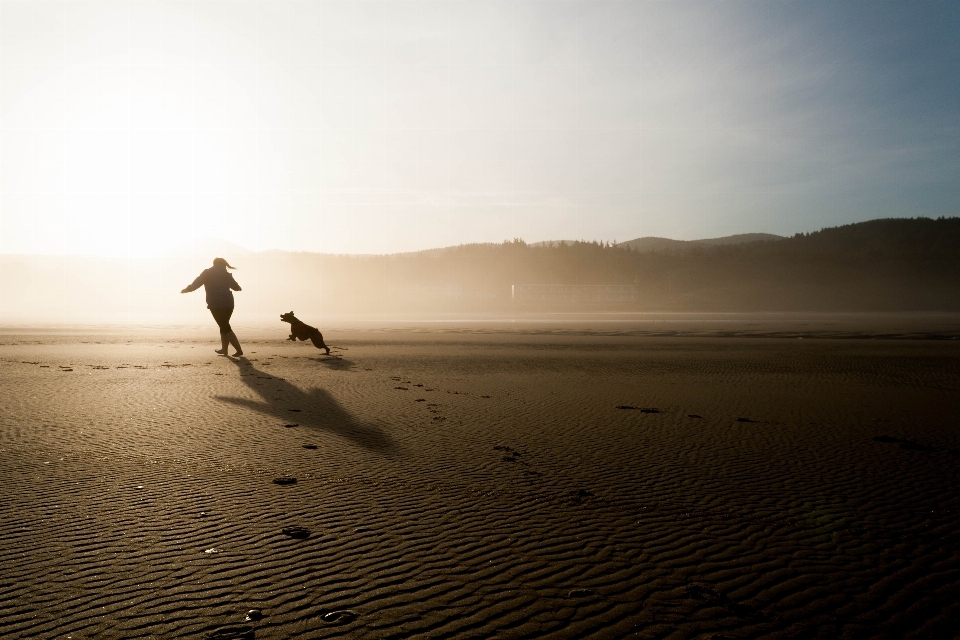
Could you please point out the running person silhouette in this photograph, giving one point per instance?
(218, 282)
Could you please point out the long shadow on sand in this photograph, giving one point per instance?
(338, 363)
(315, 409)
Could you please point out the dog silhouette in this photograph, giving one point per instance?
(301, 331)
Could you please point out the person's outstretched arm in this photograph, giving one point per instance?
(234, 285)
(196, 284)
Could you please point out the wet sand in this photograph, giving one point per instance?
(535, 481)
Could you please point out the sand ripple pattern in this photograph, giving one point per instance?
(139, 497)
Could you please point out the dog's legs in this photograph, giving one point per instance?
(292, 337)
(317, 340)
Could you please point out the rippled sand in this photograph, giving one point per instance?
(480, 484)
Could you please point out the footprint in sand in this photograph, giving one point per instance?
(746, 420)
(285, 480)
(694, 415)
(239, 632)
(511, 454)
(742, 610)
(905, 443)
(580, 593)
(402, 388)
(290, 426)
(640, 409)
(581, 497)
(708, 594)
(339, 617)
(300, 533)
(294, 410)
(420, 400)
(700, 592)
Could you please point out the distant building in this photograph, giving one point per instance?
(574, 293)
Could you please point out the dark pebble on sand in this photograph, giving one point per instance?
(694, 415)
(290, 426)
(402, 388)
(296, 532)
(240, 632)
(254, 615)
(294, 410)
(745, 420)
(580, 593)
(309, 446)
(283, 480)
(339, 617)
(420, 400)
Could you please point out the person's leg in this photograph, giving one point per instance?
(232, 337)
(228, 334)
(222, 316)
(224, 343)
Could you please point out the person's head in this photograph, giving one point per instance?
(220, 262)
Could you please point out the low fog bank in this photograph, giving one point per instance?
(882, 265)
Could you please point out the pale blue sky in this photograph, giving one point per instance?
(366, 127)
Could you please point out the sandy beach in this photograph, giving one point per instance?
(508, 482)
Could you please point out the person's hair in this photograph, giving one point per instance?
(220, 262)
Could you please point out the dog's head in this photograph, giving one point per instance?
(287, 317)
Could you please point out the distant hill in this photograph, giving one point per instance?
(652, 243)
(880, 265)
(648, 243)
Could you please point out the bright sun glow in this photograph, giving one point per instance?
(130, 128)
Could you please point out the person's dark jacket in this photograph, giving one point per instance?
(217, 282)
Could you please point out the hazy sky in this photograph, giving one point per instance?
(365, 127)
